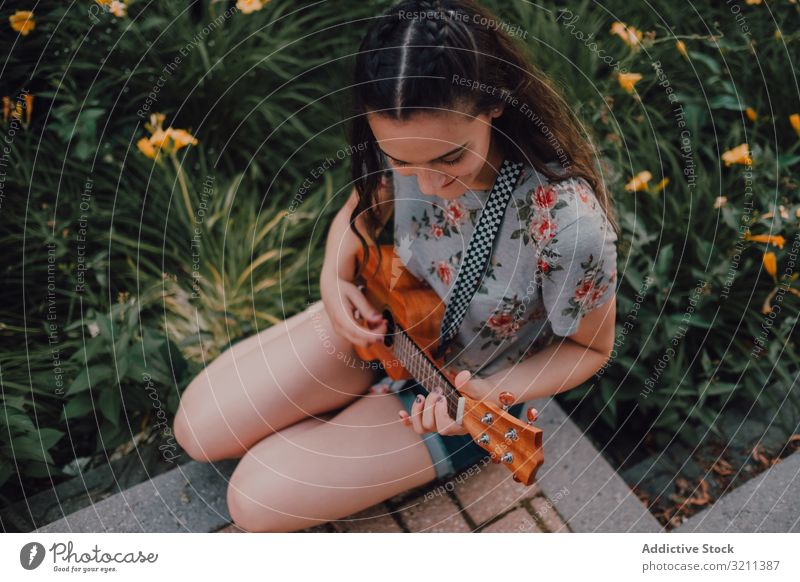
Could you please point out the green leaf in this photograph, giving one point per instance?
(726, 102)
(110, 404)
(92, 375)
(49, 437)
(78, 407)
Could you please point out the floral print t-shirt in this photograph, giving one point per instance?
(554, 260)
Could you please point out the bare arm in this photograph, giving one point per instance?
(342, 243)
(563, 364)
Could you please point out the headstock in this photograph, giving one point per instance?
(507, 439)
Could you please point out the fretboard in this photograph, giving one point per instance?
(425, 371)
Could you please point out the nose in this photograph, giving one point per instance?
(430, 181)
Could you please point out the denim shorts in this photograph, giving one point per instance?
(450, 453)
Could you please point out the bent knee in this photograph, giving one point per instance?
(271, 506)
(193, 429)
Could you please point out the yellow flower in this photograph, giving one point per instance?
(156, 121)
(720, 201)
(628, 80)
(770, 264)
(147, 148)
(751, 114)
(160, 139)
(639, 182)
(28, 108)
(738, 155)
(249, 6)
(115, 7)
(181, 138)
(22, 21)
(771, 239)
(794, 119)
(163, 140)
(661, 185)
(681, 46)
(629, 34)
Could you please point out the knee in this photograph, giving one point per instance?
(192, 429)
(264, 499)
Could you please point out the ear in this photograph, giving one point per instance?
(497, 110)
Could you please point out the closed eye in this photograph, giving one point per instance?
(447, 162)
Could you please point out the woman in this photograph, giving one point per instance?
(442, 97)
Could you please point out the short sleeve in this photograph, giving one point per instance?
(577, 266)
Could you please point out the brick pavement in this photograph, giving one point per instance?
(483, 498)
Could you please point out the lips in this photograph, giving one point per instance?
(446, 184)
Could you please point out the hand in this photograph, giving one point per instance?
(429, 414)
(343, 300)
(482, 390)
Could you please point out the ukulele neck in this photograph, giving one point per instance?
(425, 371)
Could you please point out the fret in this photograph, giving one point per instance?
(425, 372)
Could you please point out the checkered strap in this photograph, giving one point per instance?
(473, 267)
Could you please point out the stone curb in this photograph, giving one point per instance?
(583, 487)
(769, 502)
(189, 498)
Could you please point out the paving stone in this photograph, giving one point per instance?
(321, 528)
(488, 489)
(583, 486)
(191, 497)
(436, 513)
(375, 519)
(769, 502)
(231, 528)
(90, 486)
(545, 509)
(517, 521)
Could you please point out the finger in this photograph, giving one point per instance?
(444, 423)
(404, 417)
(428, 421)
(363, 305)
(362, 336)
(416, 414)
(357, 340)
(462, 383)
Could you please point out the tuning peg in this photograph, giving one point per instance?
(532, 415)
(507, 458)
(506, 399)
(511, 435)
(483, 439)
(487, 418)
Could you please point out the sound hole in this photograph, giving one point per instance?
(388, 339)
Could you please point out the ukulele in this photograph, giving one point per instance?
(414, 313)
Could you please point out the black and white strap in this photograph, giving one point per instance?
(473, 267)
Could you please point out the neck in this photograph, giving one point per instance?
(488, 174)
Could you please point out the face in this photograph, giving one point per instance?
(446, 151)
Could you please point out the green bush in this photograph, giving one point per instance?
(103, 291)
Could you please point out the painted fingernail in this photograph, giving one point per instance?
(420, 398)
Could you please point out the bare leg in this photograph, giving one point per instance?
(254, 389)
(253, 342)
(362, 456)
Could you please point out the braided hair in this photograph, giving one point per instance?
(411, 61)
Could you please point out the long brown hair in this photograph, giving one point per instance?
(439, 55)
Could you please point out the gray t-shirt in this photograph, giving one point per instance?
(554, 260)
